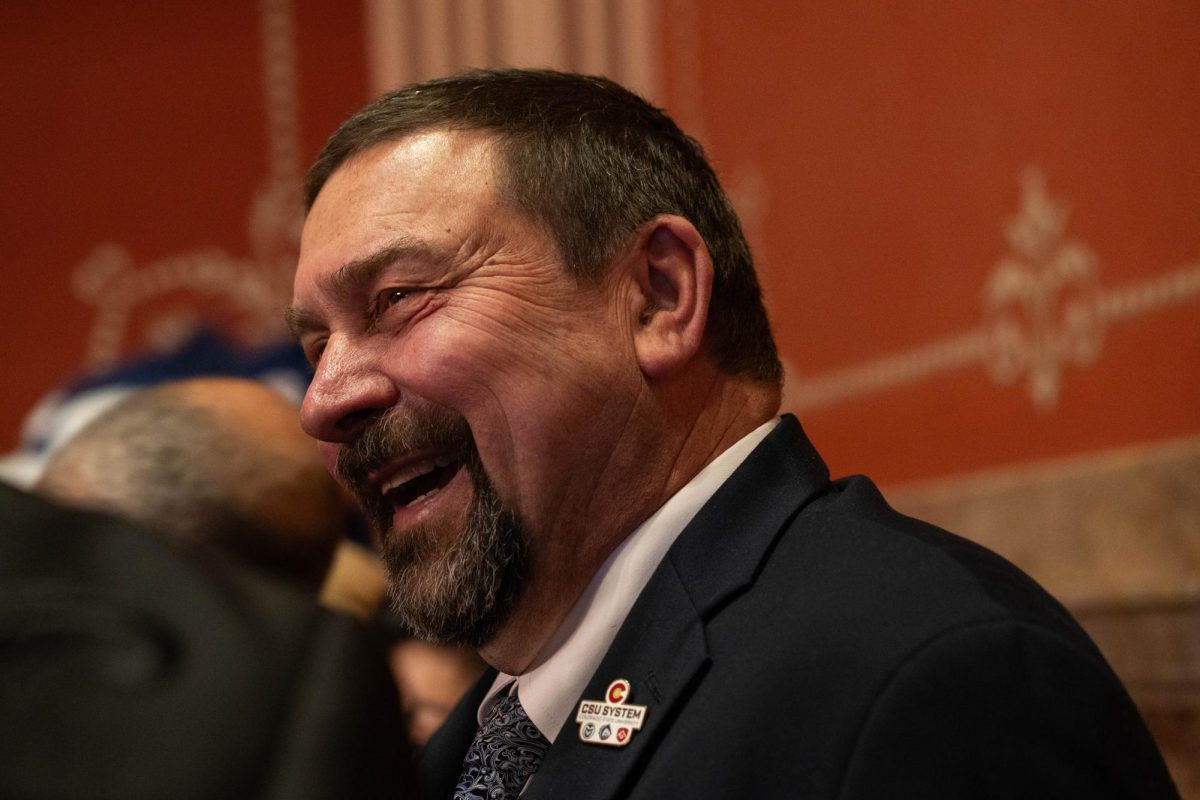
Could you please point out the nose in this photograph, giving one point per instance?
(347, 391)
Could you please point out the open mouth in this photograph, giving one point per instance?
(419, 480)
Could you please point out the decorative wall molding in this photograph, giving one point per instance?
(255, 288)
(1040, 301)
(1044, 310)
(415, 40)
(686, 68)
(109, 280)
(278, 214)
(1118, 528)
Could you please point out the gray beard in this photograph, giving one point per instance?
(446, 586)
(462, 593)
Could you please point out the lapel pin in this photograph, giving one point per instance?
(610, 721)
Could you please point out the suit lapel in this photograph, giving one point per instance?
(661, 648)
(719, 553)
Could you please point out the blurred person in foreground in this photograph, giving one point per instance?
(432, 678)
(221, 461)
(542, 363)
(137, 667)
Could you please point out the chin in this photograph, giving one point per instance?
(458, 584)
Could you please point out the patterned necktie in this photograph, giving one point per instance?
(507, 749)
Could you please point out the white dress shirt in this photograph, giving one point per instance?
(549, 689)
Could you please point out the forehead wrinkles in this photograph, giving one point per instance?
(467, 171)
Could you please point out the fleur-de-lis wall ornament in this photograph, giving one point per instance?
(1044, 309)
(1041, 301)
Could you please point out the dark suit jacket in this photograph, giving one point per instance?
(801, 639)
(133, 669)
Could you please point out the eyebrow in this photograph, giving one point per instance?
(351, 278)
(300, 322)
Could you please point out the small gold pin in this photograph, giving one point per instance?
(611, 721)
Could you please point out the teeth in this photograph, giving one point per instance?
(413, 471)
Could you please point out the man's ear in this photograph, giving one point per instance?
(673, 275)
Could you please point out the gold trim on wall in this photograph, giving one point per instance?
(1044, 310)
(256, 287)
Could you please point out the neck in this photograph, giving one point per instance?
(673, 433)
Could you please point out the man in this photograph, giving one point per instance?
(542, 363)
(216, 460)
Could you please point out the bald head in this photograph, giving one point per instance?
(216, 460)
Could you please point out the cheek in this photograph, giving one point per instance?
(512, 371)
(480, 377)
(514, 384)
(453, 366)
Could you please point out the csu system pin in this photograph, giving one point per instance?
(610, 721)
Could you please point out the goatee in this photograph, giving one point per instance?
(449, 582)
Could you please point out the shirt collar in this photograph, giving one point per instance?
(548, 691)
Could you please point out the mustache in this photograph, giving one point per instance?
(398, 432)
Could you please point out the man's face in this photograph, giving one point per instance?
(464, 385)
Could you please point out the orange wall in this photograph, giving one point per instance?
(875, 148)
(880, 147)
(141, 124)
